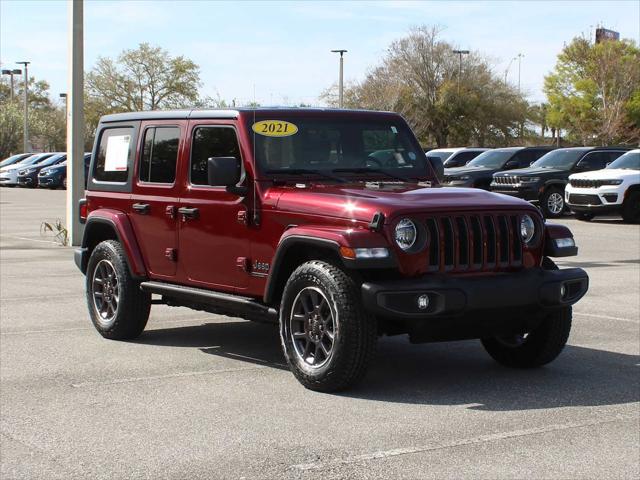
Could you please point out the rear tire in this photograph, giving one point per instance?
(327, 337)
(538, 347)
(631, 208)
(118, 308)
(552, 203)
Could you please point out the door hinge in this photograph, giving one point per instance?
(170, 211)
(171, 254)
(243, 218)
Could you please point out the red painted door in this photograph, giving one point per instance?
(212, 242)
(154, 200)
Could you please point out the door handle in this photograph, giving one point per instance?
(141, 208)
(188, 213)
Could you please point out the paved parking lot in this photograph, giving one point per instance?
(202, 396)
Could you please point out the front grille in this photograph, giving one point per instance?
(580, 199)
(474, 242)
(506, 180)
(582, 183)
(447, 179)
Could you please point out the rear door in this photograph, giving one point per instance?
(154, 199)
(213, 239)
(593, 161)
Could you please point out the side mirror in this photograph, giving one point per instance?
(511, 164)
(438, 166)
(225, 172)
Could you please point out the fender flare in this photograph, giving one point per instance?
(327, 238)
(119, 222)
(555, 183)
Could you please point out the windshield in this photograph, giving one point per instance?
(337, 147)
(492, 159)
(630, 161)
(564, 159)
(50, 160)
(12, 159)
(441, 155)
(31, 160)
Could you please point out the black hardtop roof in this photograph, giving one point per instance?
(227, 114)
(584, 149)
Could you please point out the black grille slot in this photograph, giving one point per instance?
(463, 242)
(516, 240)
(476, 230)
(503, 239)
(449, 243)
(581, 199)
(491, 240)
(434, 244)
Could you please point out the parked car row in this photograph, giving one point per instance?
(45, 170)
(554, 179)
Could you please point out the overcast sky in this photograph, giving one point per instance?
(283, 47)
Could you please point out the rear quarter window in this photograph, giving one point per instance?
(113, 155)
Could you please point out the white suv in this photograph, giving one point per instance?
(615, 189)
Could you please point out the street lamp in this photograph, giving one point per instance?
(25, 144)
(341, 84)
(11, 73)
(460, 53)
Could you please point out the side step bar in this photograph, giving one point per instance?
(224, 302)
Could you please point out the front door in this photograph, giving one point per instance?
(213, 242)
(154, 202)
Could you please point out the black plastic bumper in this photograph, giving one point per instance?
(81, 257)
(451, 296)
(526, 193)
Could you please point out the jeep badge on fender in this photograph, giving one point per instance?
(331, 224)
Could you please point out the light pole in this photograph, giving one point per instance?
(520, 55)
(460, 53)
(11, 73)
(506, 72)
(25, 144)
(341, 81)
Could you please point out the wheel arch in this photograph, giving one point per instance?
(113, 225)
(632, 189)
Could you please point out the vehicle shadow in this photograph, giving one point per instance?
(454, 373)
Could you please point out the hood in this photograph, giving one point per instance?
(607, 174)
(530, 171)
(10, 168)
(360, 201)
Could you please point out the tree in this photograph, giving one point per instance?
(10, 128)
(146, 78)
(420, 78)
(594, 91)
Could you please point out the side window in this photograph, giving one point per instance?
(594, 161)
(114, 151)
(159, 155)
(210, 142)
(523, 159)
(611, 156)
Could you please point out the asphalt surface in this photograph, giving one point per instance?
(203, 396)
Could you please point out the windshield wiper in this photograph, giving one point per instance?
(371, 170)
(305, 171)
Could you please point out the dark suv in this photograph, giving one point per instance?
(329, 223)
(545, 180)
(479, 171)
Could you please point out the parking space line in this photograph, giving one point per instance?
(619, 319)
(29, 239)
(457, 443)
(161, 377)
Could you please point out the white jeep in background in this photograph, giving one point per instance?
(615, 189)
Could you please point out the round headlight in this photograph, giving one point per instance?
(406, 234)
(527, 228)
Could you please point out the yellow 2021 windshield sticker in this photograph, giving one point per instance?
(274, 128)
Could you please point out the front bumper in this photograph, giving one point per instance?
(607, 198)
(526, 192)
(50, 181)
(28, 180)
(448, 296)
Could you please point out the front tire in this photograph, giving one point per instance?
(118, 308)
(552, 203)
(631, 208)
(327, 337)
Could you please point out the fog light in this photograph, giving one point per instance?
(565, 242)
(423, 301)
(371, 253)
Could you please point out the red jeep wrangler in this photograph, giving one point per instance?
(331, 223)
